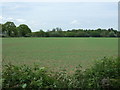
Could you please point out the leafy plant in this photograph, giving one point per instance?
(104, 74)
(26, 77)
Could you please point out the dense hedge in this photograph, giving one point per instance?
(104, 74)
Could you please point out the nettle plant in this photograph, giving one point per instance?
(26, 77)
(104, 73)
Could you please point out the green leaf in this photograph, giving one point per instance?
(24, 85)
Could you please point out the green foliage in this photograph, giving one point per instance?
(9, 29)
(57, 32)
(95, 34)
(104, 74)
(112, 34)
(26, 77)
(23, 30)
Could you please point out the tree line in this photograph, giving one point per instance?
(9, 29)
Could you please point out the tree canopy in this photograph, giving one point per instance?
(9, 29)
(23, 30)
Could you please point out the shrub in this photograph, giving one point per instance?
(104, 74)
(26, 77)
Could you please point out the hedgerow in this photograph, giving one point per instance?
(104, 74)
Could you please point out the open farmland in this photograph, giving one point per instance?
(54, 53)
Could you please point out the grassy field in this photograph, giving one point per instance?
(54, 53)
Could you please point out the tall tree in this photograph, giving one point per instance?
(10, 29)
(23, 30)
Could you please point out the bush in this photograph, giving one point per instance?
(26, 77)
(104, 74)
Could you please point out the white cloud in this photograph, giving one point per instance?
(17, 21)
(6, 18)
(10, 18)
(20, 20)
(74, 22)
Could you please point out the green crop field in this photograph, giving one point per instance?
(54, 53)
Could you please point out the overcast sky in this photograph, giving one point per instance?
(67, 15)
